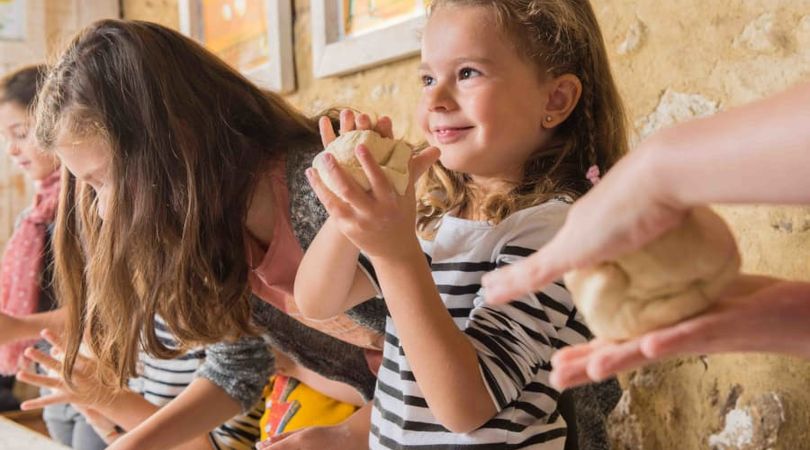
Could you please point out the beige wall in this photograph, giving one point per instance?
(672, 60)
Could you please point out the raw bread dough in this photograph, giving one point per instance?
(672, 278)
(393, 156)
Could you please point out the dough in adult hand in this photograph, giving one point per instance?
(672, 278)
(392, 155)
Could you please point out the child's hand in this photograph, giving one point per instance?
(87, 387)
(380, 223)
(104, 427)
(370, 219)
(349, 121)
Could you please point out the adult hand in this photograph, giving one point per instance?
(627, 209)
(758, 314)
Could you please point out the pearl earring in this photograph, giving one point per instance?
(549, 118)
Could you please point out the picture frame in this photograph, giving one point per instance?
(338, 52)
(253, 36)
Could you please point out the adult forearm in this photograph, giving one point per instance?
(758, 153)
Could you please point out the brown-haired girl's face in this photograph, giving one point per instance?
(89, 159)
(15, 129)
(482, 103)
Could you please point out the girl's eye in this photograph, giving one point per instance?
(467, 73)
(428, 80)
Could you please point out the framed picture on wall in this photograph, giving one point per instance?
(351, 35)
(12, 20)
(253, 36)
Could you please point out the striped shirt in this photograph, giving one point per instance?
(514, 342)
(161, 380)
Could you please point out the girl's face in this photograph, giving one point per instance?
(482, 104)
(89, 159)
(15, 127)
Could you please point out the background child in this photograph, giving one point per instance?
(25, 276)
(519, 97)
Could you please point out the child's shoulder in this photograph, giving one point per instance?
(533, 227)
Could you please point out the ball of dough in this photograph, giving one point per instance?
(672, 278)
(392, 155)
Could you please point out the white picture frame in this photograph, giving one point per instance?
(277, 73)
(26, 44)
(334, 54)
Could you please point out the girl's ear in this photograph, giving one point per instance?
(563, 96)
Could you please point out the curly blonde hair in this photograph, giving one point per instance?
(559, 37)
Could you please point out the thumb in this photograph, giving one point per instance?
(422, 161)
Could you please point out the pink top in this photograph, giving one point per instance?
(273, 277)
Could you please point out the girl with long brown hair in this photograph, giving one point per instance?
(184, 201)
(519, 101)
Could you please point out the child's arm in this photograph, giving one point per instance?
(28, 327)
(131, 411)
(329, 281)
(444, 361)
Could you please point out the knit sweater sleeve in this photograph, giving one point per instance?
(308, 215)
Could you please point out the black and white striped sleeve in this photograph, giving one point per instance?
(515, 341)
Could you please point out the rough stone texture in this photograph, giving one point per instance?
(672, 61)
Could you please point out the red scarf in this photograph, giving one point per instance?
(21, 268)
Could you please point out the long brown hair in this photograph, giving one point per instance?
(189, 138)
(559, 37)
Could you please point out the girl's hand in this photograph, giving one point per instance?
(317, 438)
(104, 428)
(351, 434)
(760, 314)
(627, 209)
(350, 121)
(88, 390)
(379, 222)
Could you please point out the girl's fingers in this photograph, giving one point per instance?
(56, 341)
(41, 402)
(422, 161)
(43, 359)
(385, 127)
(380, 186)
(344, 185)
(346, 121)
(363, 122)
(42, 381)
(333, 204)
(327, 130)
